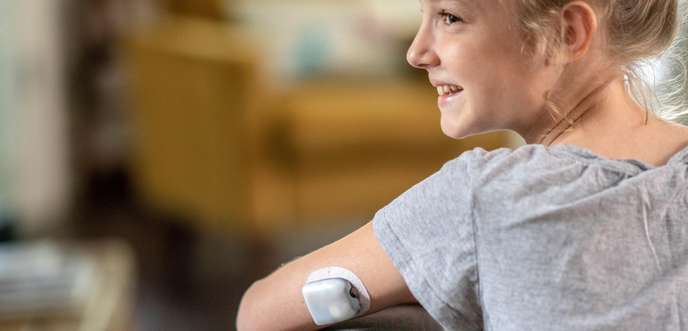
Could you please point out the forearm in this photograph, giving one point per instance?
(276, 302)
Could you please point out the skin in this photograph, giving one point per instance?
(477, 47)
(470, 49)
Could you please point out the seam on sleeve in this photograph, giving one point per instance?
(476, 253)
(674, 198)
(412, 263)
(466, 314)
(671, 209)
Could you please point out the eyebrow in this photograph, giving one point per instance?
(463, 2)
(468, 4)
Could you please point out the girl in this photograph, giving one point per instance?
(584, 228)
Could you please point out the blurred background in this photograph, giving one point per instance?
(157, 156)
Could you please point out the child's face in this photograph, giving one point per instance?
(475, 48)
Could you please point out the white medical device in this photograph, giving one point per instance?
(334, 295)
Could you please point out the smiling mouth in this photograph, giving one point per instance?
(448, 90)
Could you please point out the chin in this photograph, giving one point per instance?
(452, 134)
(459, 128)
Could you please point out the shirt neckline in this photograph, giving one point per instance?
(680, 157)
(628, 165)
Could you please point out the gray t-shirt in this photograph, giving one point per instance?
(545, 239)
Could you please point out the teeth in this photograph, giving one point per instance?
(448, 89)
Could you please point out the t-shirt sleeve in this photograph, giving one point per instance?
(428, 232)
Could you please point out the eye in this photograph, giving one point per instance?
(449, 19)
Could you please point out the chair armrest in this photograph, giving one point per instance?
(399, 318)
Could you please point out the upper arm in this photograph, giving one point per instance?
(275, 302)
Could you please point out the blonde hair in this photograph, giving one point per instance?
(636, 31)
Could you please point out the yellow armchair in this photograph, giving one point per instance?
(214, 143)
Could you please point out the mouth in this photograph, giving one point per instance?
(448, 94)
(448, 90)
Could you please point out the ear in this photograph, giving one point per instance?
(579, 25)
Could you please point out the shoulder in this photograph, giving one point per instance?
(528, 171)
(506, 161)
(520, 155)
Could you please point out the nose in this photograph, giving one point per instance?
(421, 54)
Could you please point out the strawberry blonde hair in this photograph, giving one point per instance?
(636, 31)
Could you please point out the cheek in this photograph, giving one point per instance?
(481, 66)
(498, 83)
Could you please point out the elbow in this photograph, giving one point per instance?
(248, 317)
(259, 311)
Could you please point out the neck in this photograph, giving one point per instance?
(627, 132)
(612, 114)
(599, 102)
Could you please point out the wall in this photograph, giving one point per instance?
(350, 39)
(6, 200)
(33, 113)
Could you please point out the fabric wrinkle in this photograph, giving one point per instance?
(647, 235)
(545, 239)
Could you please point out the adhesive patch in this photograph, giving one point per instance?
(338, 272)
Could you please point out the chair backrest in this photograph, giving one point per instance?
(190, 84)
